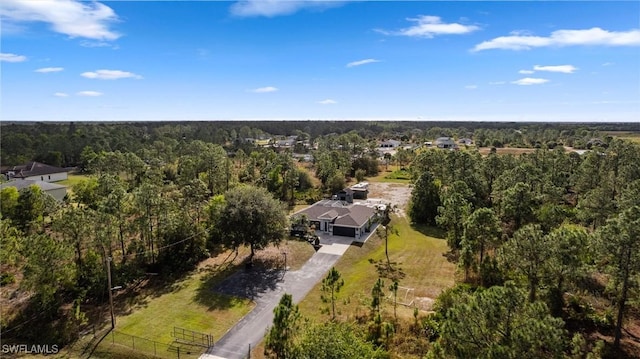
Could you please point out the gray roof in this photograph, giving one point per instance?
(344, 215)
(358, 216)
(20, 184)
(34, 169)
(329, 215)
(444, 140)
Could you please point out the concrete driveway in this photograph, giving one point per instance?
(265, 288)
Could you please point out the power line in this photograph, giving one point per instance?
(166, 246)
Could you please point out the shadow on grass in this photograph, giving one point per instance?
(222, 284)
(250, 282)
(429, 231)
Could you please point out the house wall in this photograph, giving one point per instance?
(54, 177)
(57, 193)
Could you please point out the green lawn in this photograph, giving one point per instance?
(73, 180)
(416, 257)
(392, 175)
(191, 304)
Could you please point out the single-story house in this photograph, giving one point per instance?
(389, 144)
(465, 141)
(288, 143)
(55, 190)
(341, 219)
(445, 142)
(36, 171)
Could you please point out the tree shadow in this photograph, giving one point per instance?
(250, 282)
(429, 231)
(224, 284)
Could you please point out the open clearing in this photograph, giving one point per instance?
(415, 253)
(192, 302)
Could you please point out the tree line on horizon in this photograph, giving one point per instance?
(62, 144)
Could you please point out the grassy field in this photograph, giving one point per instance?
(625, 135)
(73, 179)
(391, 175)
(417, 259)
(192, 302)
(416, 255)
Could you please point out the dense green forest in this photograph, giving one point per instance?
(63, 143)
(559, 229)
(547, 242)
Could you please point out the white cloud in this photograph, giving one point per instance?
(526, 72)
(430, 26)
(45, 70)
(530, 81)
(362, 62)
(608, 64)
(588, 37)
(94, 43)
(264, 89)
(110, 75)
(497, 83)
(8, 57)
(565, 69)
(328, 102)
(471, 87)
(70, 17)
(89, 93)
(272, 8)
(61, 94)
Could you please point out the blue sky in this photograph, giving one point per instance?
(65, 60)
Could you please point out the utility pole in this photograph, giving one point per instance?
(113, 319)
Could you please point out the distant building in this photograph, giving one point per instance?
(389, 144)
(345, 195)
(55, 190)
(36, 171)
(360, 190)
(446, 143)
(288, 143)
(465, 141)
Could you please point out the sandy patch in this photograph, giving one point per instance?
(398, 194)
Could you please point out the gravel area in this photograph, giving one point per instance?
(398, 194)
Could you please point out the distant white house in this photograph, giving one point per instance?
(389, 144)
(36, 171)
(55, 190)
